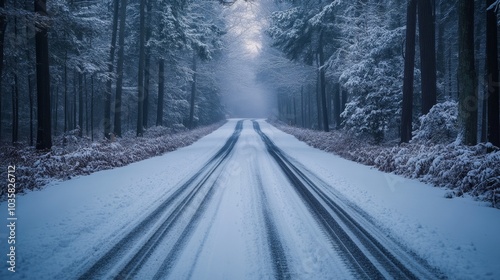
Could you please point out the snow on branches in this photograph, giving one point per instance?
(465, 170)
(73, 155)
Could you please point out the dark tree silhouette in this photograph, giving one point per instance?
(193, 95)
(161, 91)
(2, 39)
(407, 112)
(140, 87)
(111, 68)
(466, 72)
(427, 54)
(492, 76)
(44, 131)
(119, 69)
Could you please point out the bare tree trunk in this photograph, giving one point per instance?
(92, 108)
(119, 69)
(427, 54)
(480, 66)
(56, 106)
(407, 111)
(193, 95)
(492, 76)
(30, 85)
(440, 48)
(140, 102)
(80, 103)
(86, 105)
(44, 131)
(66, 121)
(322, 84)
(311, 113)
(467, 74)
(161, 89)
(450, 80)
(484, 117)
(75, 97)
(111, 67)
(294, 111)
(15, 110)
(147, 66)
(30, 92)
(15, 97)
(336, 106)
(318, 96)
(344, 96)
(302, 106)
(3, 23)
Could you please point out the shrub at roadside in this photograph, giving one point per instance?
(471, 170)
(72, 155)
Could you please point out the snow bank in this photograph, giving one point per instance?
(463, 169)
(72, 155)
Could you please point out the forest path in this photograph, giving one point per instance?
(246, 202)
(251, 213)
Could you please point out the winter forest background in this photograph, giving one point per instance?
(408, 86)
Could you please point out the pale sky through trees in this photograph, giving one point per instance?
(244, 96)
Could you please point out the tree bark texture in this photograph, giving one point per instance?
(407, 110)
(3, 23)
(466, 72)
(119, 70)
(111, 68)
(193, 95)
(140, 82)
(427, 54)
(161, 91)
(492, 76)
(322, 84)
(44, 131)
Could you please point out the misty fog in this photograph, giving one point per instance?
(243, 94)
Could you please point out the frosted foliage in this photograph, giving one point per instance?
(73, 156)
(440, 125)
(464, 170)
(374, 82)
(290, 31)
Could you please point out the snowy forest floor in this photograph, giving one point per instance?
(72, 155)
(464, 170)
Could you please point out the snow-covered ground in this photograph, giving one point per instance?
(67, 224)
(72, 155)
(460, 236)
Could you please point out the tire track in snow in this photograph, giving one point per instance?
(169, 260)
(127, 255)
(280, 264)
(368, 257)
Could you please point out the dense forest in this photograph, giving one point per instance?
(376, 67)
(102, 68)
(370, 67)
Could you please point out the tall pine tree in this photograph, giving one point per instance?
(427, 54)
(44, 131)
(407, 112)
(492, 76)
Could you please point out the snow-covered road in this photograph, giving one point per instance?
(249, 202)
